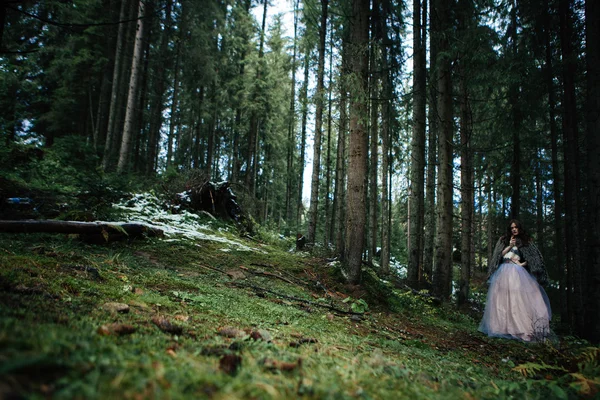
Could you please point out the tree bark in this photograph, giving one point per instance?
(302, 161)
(557, 188)
(430, 186)
(517, 119)
(417, 168)
(319, 95)
(374, 68)
(116, 81)
(592, 14)
(386, 90)
(251, 157)
(292, 173)
(466, 191)
(575, 266)
(340, 169)
(157, 103)
(133, 94)
(442, 277)
(328, 224)
(358, 149)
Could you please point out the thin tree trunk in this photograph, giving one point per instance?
(571, 165)
(373, 131)
(386, 90)
(491, 206)
(251, 157)
(432, 144)
(328, 233)
(157, 103)
(133, 95)
(565, 296)
(466, 191)
(291, 139)
(238, 112)
(319, 95)
(340, 169)
(116, 81)
(302, 161)
(592, 14)
(517, 118)
(358, 149)
(174, 101)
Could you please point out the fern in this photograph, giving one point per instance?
(531, 369)
(584, 385)
(590, 355)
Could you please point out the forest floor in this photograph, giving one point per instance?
(225, 317)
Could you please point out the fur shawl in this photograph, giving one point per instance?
(535, 262)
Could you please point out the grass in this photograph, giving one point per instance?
(235, 337)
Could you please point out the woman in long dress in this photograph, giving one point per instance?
(517, 307)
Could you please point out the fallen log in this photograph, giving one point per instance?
(107, 230)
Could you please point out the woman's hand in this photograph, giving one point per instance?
(513, 241)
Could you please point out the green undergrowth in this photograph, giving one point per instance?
(208, 319)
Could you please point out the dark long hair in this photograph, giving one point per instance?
(523, 238)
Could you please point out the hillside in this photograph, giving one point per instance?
(204, 313)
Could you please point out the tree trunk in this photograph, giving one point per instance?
(466, 191)
(116, 82)
(373, 202)
(340, 169)
(592, 14)
(133, 94)
(386, 90)
(237, 134)
(442, 278)
(517, 118)
(565, 296)
(157, 103)
(319, 95)
(571, 166)
(432, 144)
(251, 157)
(328, 232)
(417, 168)
(358, 149)
(301, 163)
(53, 226)
(175, 100)
(292, 173)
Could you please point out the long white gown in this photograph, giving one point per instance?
(517, 307)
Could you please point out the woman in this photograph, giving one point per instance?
(517, 307)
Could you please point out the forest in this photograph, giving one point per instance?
(393, 139)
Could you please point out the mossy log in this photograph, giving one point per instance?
(108, 231)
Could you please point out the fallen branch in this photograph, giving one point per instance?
(285, 296)
(84, 228)
(264, 273)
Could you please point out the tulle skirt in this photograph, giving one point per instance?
(517, 307)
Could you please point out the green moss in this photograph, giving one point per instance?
(51, 318)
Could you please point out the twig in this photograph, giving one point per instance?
(285, 296)
(263, 273)
(213, 268)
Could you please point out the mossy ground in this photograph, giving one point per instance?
(283, 314)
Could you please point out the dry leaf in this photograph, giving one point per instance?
(166, 326)
(282, 365)
(116, 329)
(231, 332)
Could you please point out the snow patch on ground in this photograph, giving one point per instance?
(146, 208)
